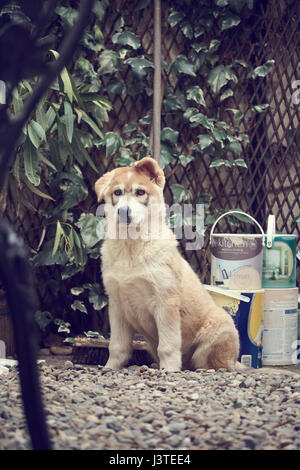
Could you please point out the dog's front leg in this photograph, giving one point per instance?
(121, 334)
(169, 336)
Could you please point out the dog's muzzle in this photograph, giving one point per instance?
(124, 214)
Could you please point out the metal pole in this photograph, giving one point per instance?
(157, 81)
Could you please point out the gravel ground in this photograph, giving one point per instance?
(144, 408)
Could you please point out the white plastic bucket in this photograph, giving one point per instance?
(236, 259)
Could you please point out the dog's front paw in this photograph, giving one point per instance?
(171, 368)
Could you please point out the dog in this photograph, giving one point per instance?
(151, 288)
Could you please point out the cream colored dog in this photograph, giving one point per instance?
(152, 290)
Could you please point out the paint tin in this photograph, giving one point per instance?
(280, 326)
(279, 258)
(247, 309)
(236, 259)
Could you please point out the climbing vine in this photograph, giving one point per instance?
(76, 125)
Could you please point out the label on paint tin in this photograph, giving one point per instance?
(236, 261)
(280, 326)
(232, 247)
(279, 263)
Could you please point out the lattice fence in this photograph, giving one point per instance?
(270, 184)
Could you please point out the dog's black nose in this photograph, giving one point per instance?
(124, 214)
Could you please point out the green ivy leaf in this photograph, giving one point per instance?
(219, 135)
(169, 135)
(125, 158)
(130, 127)
(77, 290)
(262, 70)
(240, 162)
(116, 86)
(112, 143)
(87, 225)
(240, 63)
(203, 120)
(99, 8)
(182, 65)
(63, 326)
(79, 305)
(166, 156)
(235, 147)
(261, 108)
(96, 297)
(185, 159)
(219, 162)
(237, 113)
(174, 101)
(226, 94)
(189, 112)
(43, 318)
(205, 141)
(230, 21)
(142, 4)
(126, 38)
(73, 191)
(68, 14)
(219, 77)
(180, 193)
(214, 45)
(85, 66)
(187, 29)
(139, 65)
(199, 30)
(174, 18)
(221, 3)
(195, 93)
(108, 62)
(45, 258)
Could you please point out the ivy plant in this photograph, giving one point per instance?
(72, 126)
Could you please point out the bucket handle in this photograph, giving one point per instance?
(271, 230)
(238, 212)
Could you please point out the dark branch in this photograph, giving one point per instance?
(14, 128)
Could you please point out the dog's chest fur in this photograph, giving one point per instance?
(139, 276)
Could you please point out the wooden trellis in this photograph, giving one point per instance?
(270, 184)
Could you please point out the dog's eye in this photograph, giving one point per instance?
(118, 192)
(140, 192)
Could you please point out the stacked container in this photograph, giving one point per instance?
(253, 277)
(236, 285)
(281, 298)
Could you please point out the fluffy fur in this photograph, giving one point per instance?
(151, 288)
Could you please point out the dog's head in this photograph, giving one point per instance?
(131, 193)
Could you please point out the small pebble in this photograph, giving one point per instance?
(94, 408)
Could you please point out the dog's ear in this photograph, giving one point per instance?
(102, 184)
(152, 169)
